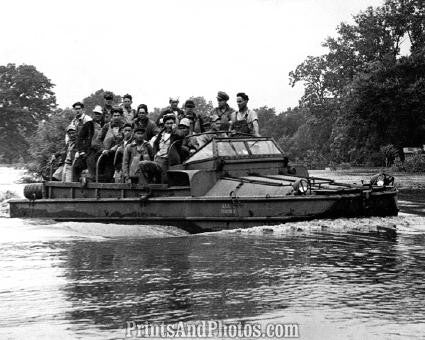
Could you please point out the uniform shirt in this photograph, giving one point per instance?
(225, 116)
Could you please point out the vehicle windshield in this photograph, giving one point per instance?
(231, 148)
(263, 147)
(245, 148)
(235, 148)
(204, 153)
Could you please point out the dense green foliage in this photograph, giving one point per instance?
(362, 94)
(26, 98)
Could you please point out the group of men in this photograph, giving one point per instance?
(120, 144)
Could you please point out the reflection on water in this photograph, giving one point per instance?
(89, 288)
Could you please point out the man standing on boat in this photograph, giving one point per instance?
(80, 118)
(128, 113)
(88, 146)
(245, 120)
(223, 111)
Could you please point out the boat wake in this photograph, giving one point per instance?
(405, 223)
(20, 230)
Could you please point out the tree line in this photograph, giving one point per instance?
(363, 100)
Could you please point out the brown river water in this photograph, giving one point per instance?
(335, 279)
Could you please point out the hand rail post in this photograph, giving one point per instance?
(51, 170)
(97, 167)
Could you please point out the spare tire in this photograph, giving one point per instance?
(33, 191)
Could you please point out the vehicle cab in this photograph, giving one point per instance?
(232, 157)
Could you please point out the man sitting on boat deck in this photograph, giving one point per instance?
(137, 166)
(107, 163)
(88, 146)
(182, 143)
(245, 120)
(127, 132)
(161, 144)
(110, 136)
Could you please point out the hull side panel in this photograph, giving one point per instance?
(207, 213)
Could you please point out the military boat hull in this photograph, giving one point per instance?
(207, 213)
(228, 183)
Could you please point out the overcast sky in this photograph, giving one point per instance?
(162, 48)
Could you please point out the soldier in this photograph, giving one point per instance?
(128, 113)
(245, 120)
(223, 111)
